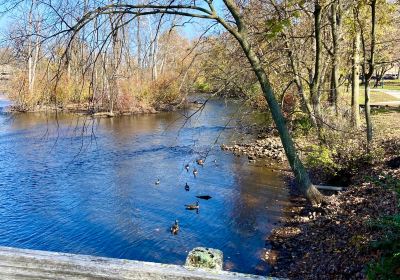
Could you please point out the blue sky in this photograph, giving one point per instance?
(191, 30)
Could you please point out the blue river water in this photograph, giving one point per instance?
(80, 185)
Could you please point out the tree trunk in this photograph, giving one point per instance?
(315, 80)
(301, 175)
(300, 88)
(139, 51)
(331, 94)
(355, 77)
(336, 85)
(368, 121)
(31, 66)
(371, 65)
(335, 28)
(304, 184)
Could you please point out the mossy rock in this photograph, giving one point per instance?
(205, 258)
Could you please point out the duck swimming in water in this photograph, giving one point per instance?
(192, 206)
(187, 188)
(187, 167)
(157, 182)
(195, 172)
(175, 228)
(200, 161)
(206, 197)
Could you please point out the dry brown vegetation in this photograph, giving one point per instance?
(297, 57)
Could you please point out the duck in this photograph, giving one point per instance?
(206, 197)
(187, 188)
(175, 228)
(157, 182)
(195, 172)
(192, 206)
(187, 167)
(200, 161)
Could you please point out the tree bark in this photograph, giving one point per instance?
(315, 80)
(355, 84)
(300, 88)
(368, 121)
(335, 28)
(371, 68)
(31, 62)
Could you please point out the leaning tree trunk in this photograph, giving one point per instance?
(301, 175)
(303, 180)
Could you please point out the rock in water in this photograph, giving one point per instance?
(205, 258)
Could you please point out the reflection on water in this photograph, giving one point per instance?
(87, 186)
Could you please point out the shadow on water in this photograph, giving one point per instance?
(87, 186)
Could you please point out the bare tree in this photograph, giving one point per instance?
(231, 18)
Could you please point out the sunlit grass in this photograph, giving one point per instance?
(377, 96)
(390, 85)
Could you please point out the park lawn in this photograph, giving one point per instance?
(377, 97)
(391, 85)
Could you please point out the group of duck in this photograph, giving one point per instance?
(195, 206)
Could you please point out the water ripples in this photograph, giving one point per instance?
(61, 191)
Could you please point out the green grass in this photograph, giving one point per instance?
(377, 97)
(391, 87)
(392, 84)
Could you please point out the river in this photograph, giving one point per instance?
(80, 185)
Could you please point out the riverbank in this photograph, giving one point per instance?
(84, 109)
(96, 110)
(88, 109)
(270, 147)
(343, 238)
(337, 240)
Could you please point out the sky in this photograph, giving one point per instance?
(191, 30)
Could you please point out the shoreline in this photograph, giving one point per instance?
(334, 241)
(94, 110)
(79, 109)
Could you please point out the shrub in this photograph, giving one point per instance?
(302, 124)
(165, 90)
(202, 85)
(321, 157)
